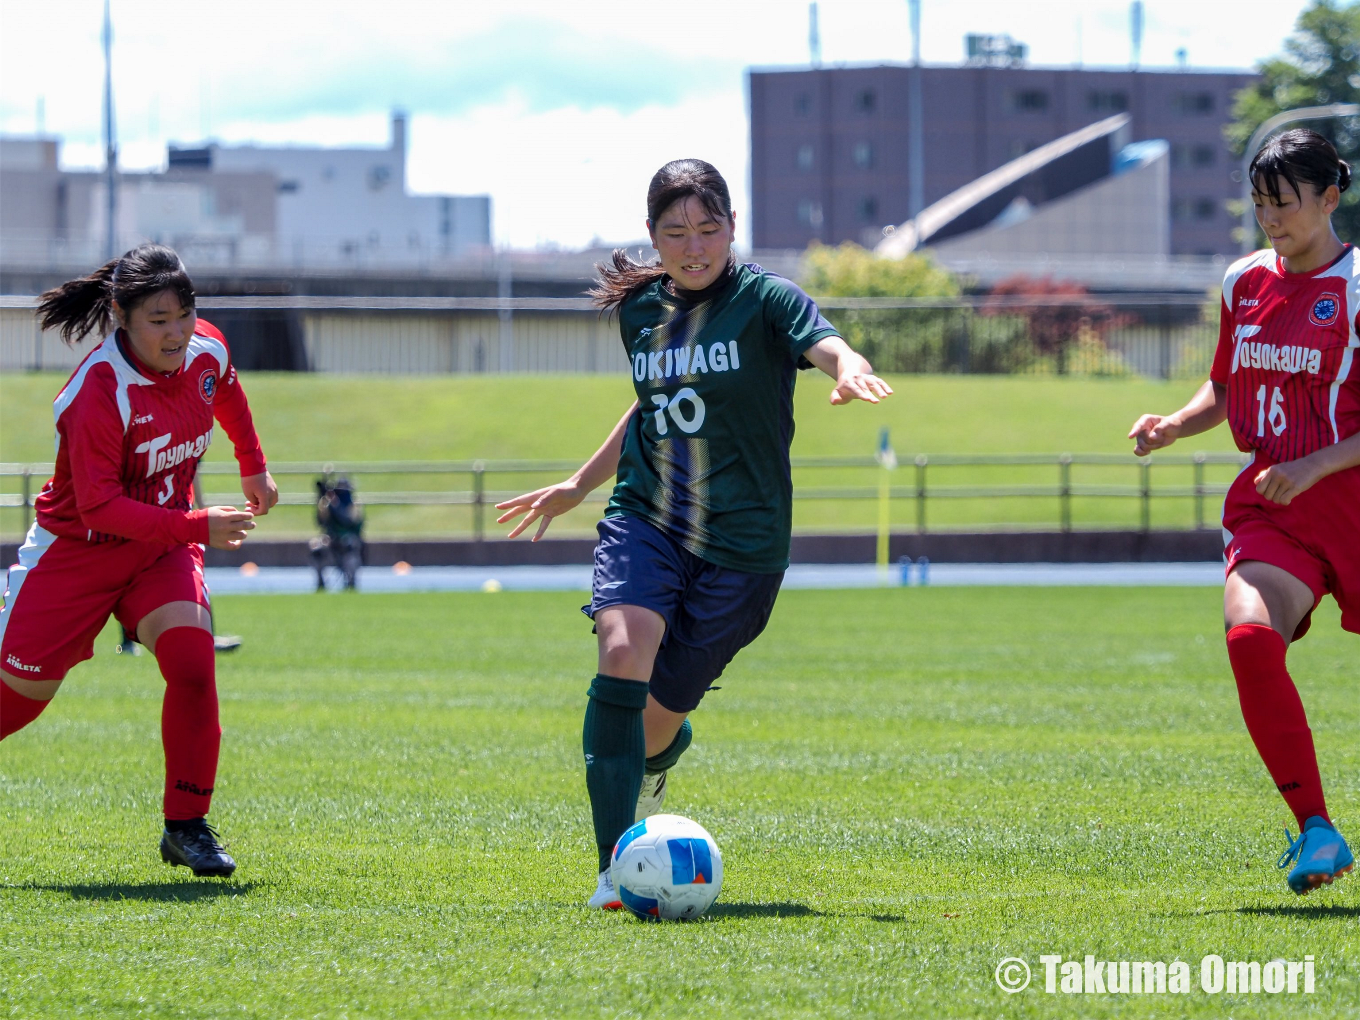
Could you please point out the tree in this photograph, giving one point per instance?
(851, 271)
(1320, 65)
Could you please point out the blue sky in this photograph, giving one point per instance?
(561, 110)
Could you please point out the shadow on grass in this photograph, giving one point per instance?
(1308, 911)
(761, 910)
(165, 892)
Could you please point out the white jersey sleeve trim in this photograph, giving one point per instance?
(1346, 269)
(1257, 258)
(201, 344)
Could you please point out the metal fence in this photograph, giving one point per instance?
(1158, 335)
(923, 492)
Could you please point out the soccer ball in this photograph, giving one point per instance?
(667, 867)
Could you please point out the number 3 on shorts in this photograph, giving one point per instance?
(1276, 415)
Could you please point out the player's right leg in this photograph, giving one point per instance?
(639, 575)
(1264, 607)
(56, 601)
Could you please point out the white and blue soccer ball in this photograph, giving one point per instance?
(667, 867)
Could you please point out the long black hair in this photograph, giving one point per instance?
(677, 180)
(85, 305)
(1300, 157)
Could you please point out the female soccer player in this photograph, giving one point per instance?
(1284, 378)
(114, 533)
(695, 540)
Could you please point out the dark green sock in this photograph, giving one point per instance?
(663, 760)
(616, 753)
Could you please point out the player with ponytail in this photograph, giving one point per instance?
(115, 534)
(1285, 379)
(695, 540)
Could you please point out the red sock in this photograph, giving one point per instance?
(189, 727)
(1275, 719)
(16, 711)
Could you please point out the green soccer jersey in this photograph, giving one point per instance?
(706, 457)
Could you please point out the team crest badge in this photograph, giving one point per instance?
(207, 386)
(1324, 310)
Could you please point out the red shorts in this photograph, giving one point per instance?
(60, 594)
(1316, 537)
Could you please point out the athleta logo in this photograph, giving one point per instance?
(160, 455)
(1290, 358)
(10, 660)
(207, 385)
(142, 419)
(1248, 302)
(1324, 310)
(188, 787)
(686, 361)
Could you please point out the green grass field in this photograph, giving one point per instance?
(908, 785)
(381, 418)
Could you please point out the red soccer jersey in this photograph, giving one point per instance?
(1286, 350)
(129, 441)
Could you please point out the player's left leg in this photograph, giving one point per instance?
(1264, 607)
(722, 612)
(168, 609)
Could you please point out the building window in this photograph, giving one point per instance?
(1029, 101)
(1184, 210)
(288, 187)
(863, 155)
(866, 101)
(1193, 104)
(810, 213)
(868, 209)
(804, 157)
(1186, 157)
(1107, 102)
(802, 105)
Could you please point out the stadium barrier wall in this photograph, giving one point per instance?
(1163, 336)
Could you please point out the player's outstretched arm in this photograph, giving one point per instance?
(855, 379)
(1207, 409)
(554, 500)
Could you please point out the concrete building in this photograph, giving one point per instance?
(240, 207)
(829, 147)
(49, 216)
(350, 206)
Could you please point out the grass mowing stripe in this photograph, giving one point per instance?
(908, 785)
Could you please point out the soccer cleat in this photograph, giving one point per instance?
(1319, 856)
(651, 796)
(605, 897)
(226, 642)
(197, 849)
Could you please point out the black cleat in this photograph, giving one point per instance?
(197, 849)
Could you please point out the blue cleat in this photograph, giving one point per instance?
(1321, 855)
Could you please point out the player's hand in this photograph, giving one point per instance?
(1280, 483)
(859, 386)
(541, 505)
(227, 526)
(1153, 432)
(261, 493)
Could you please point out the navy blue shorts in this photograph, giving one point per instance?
(711, 612)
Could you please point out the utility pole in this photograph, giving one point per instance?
(1136, 29)
(814, 36)
(110, 144)
(916, 157)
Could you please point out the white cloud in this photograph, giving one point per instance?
(561, 110)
